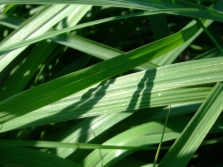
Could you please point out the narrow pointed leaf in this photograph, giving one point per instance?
(50, 144)
(59, 88)
(170, 57)
(109, 120)
(82, 44)
(43, 21)
(46, 35)
(155, 87)
(200, 11)
(37, 57)
(196, 130)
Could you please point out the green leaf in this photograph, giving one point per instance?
(59, 88)
(77, 42)
(58, 32)
(143, 135)
(209, 35)
(44, 20)
(171, 56)
(196, 130)
(129, 99)
(29, 66)
(138, 136)
(50, 144)
(198, 12)
(123, 114)
(26, 70)
(103, 123)
(155, 87)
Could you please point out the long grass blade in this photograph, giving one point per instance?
(36, 58)
(152, 88)
(77, 42)
(49, 144)
(43, 21)
(199, 12)
(64, 30)
(196, 130)
(59, 88)
(161, 140)
(110, 120)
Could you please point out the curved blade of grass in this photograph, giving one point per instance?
(37, 57)
(102, 123)
(155, 87)
(93, 48)
(161, 140)
(50, 144)
(209, 34)
(43, 21)
(5, 49)
(201, 11)
(142, 135)
(170, 57)
(97, 49)
(82, 44)
(18, 156)
(59, 88)
(196, 130)
(27, 69)
(92, 132)
(67, 109)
